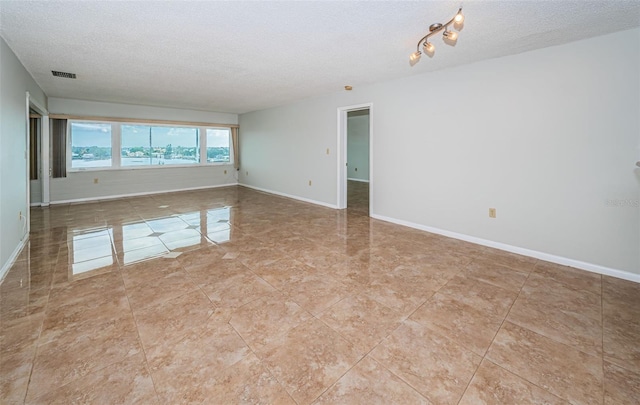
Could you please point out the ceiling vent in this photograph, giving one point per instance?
(63, 74)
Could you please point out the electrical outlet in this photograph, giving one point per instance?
(492, 212)
(20, 215)
(95, 181)
(309, 182)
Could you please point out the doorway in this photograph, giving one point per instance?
(38, 154)
(358, 161)
(355, 172)
(35, 162)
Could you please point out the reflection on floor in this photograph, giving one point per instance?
(358, 197)
(235, 296)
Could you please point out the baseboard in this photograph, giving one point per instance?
(12, 259)
(294, 197)
(112, 197)
(594, 268)
(360, 180)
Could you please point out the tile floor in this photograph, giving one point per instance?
(233, 296)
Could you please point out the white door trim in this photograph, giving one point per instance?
(43, 156)
(342, 154)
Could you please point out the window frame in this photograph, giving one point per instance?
(116, 145)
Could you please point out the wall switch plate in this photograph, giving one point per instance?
(492, 212)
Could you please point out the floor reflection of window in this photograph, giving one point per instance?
(143, 240)
(90, 251)
(138, 242)
(218, 227)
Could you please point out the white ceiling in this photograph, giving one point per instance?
(241, 56)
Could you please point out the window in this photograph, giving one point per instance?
(145, 145)
(90, 145)
(218, 146)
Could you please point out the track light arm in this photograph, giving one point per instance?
(437, 27)
(434, 29)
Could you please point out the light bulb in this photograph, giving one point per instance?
(451, 35)
(414, 58)
(429, 47)
(459, 18)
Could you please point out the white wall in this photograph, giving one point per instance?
(114, 110)
(79, 186)
(548, 137)
(358, 145)
(15, 82)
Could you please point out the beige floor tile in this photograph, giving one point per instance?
(512, 260)
(266, 319)
(16, 367)
(315, 293)
(560, 313)
(236, 320)
(12, 392)
(623, 292)
(84, 317)
(19, 334)
(560, 369)
(470, 327)
(309, 358)
(620, 342)
(435, 366)
(170, 320)
(79, 353)
(146, 271)
(579, 280)
(125, 382)
(370, 383)
(362, 321)
(281, 272)
(397, 296)
(249, 382)
(182, 370)
(494, 385)
(217, 275)
(480, 295)
(203, 257)
(621, 387)
(237, 290)
(496, 274)
(166, 286)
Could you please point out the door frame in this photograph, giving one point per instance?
(43, 156)
(342, 154)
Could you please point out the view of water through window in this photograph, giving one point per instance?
(146, 145)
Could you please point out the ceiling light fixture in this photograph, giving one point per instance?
(448, 35)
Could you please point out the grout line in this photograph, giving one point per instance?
(142, 348)
(44, 316)
(484, 356)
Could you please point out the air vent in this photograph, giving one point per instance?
(63, 74)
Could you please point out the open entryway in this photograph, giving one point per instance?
(354, 172)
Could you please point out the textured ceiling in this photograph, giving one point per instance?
(240, 56)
